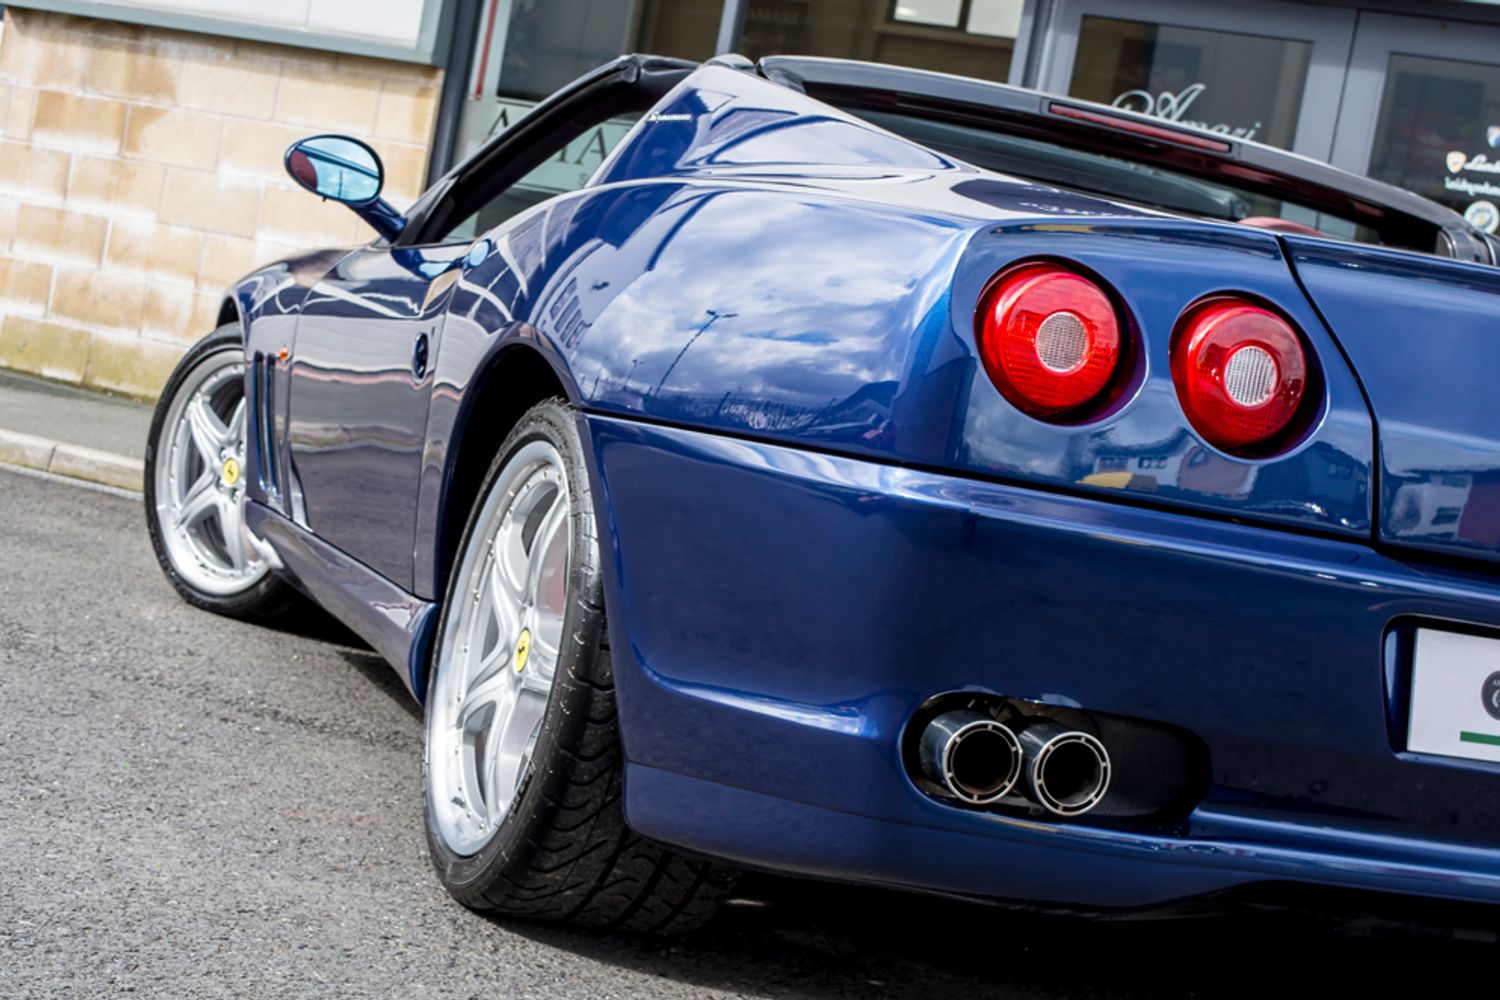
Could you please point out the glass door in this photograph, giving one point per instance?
(1266, 71)
(1422, 111)
(526, 49)
(967, 37)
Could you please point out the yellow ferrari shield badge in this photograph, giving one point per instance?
(231, 472)
(523, 649)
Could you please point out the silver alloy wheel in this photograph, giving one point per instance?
(200, 486)
(498, 654)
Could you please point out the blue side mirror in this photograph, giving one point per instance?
(348, 171)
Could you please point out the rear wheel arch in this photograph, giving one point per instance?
(517, 378)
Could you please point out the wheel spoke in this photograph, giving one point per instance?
(551, 563)
(542, 545)
(231, 523)
(475, 628)
(486, 769)
(513, 748)
(506, 615)
(506, 594)
(208, 431)
(492, 685)
(235, 432)
(199, 499)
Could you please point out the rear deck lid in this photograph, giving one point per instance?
(1423, 336)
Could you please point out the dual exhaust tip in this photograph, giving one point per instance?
(978, 760)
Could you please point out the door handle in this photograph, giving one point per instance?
(419, 357)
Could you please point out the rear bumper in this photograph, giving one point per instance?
(777, 615)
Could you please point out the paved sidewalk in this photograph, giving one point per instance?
(72, 432)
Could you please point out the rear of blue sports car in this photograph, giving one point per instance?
(998, 535)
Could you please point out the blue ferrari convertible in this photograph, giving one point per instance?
(881, 476)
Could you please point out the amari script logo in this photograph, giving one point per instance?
(1173, 107)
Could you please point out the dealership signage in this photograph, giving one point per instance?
(1174, 106)
(1477, 176)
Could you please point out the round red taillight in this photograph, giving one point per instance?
(1241, 373)
(1050, 340)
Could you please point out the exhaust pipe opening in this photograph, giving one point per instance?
(1067, 771)
(973, 757)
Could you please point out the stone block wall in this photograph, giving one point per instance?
(141, 173)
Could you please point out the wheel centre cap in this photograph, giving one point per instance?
(523, 649)
(230, 472)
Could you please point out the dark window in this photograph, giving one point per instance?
(968, 37)
(549, 43)
(528, 49)
(567, 170)
(1248, 86)
(1439, 134)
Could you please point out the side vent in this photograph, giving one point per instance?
(263, 377)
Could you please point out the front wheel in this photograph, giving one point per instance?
(522, 765)
(195, 487)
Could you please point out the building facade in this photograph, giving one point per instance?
(140, 168)
(140, 142)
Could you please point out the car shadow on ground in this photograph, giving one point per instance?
(379, 673)
(311, 622)
(308, 621)
(786, 938)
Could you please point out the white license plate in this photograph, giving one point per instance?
(1455, 696)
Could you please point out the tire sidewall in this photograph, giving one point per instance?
(579, 663)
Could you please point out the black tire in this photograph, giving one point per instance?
(563, 851)
(268, 599)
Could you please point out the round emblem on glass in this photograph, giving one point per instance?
(1492, 694)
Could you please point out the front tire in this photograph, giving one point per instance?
(522, 765)
(195, 487)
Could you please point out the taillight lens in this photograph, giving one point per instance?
(1241, 373)
(1050, 340)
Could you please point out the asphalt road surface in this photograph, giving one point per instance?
(194, 807)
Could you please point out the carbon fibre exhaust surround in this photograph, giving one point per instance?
(982, 751)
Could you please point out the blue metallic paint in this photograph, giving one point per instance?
(1267, 645)
(268, 304)
(1421, 334)
(882, 269)
(1036, 862)
(358, 413)
(820, 513)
